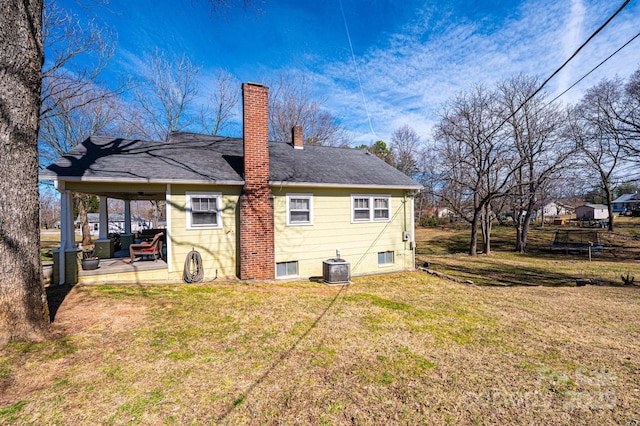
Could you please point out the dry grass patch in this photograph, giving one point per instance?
(401, 348)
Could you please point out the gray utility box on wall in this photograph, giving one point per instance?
(335, 271)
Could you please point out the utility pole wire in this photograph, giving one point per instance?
(355, 65)
(544, 83)
(593, 69)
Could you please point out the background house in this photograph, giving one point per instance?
(548, 208)
(626, 202)
(253, 209)
(116, 223)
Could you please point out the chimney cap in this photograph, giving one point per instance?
(252, 83)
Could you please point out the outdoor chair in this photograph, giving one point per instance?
(153, 248)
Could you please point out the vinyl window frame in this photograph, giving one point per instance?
(371, 207)
(293, 196)
(216, 196)
(286, 266)
(385, 261)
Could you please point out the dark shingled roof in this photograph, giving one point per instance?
(190, 157)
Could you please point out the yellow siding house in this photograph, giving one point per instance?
(252, 209)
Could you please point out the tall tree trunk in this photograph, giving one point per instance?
(519, 248)
(526, 224)
(84, 219)
(486, 229)
(23, 304)
(155, 213)
(608, 192)
(473, 245)
(517, 220)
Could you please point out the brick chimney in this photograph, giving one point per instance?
(297, 137)
(256, 201)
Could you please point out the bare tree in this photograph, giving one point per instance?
(291, 103)
(223, 99)
(165, 96)
(75, 119)
(49, 209)
(74, 103)
(629, 117)
(406, 147)
(77, 52)
(425, 200)
(534, 130)
(594, 128)
(24, 312)
(475, 161)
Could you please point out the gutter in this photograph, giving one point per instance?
(276, 184)
(284, 184)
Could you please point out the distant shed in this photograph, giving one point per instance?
(592, 212)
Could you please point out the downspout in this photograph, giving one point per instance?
(412, 244)
(404, 228)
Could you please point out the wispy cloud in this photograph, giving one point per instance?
(408, 69)
(572, 39)
(409, 76)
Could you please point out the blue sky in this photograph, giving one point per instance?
(410, 56)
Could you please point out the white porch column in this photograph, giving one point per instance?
(127, 217)
(65, 213)
(126, 238)
(168, 232)
(67, 270)
(104, 219)
(64, 220)
(103, 246)
(70, 228)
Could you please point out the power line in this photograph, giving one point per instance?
(355, 65)
(544, 83)
(594, 68)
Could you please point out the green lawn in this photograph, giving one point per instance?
(49, 239)
(394, 349)
(526, 347)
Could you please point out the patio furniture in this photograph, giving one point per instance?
(153, 248)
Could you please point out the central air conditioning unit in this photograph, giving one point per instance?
(335, 272)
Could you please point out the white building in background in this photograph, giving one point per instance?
(552, 208)
(592, 212)
(116, 223)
